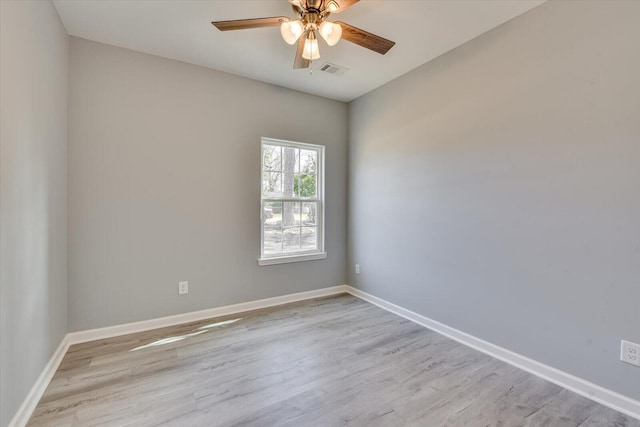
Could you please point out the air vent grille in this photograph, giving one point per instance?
(334, 69)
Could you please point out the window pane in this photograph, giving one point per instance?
(291, 239)
(288, 175)
(272, 217)
(272, 184)
(272, 158)
(309, 213)
(305, 186)
(308, 162)
(272, 213)
(296, 168)
(309, 238)
(290, 214)
(272, 240)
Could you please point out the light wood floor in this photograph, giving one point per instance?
(327, 362)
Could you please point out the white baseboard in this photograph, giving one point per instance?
(30, 402)
(161, 322)
(577, 385)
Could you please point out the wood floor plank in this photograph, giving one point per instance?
(326, 362)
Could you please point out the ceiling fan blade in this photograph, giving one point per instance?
(245, 24)
(365, 39)
(340, 4)
(300, 62)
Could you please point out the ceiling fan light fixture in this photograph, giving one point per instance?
(311, 51)
(330, 32)
(310, 16)
(291, 31)
(332, 6)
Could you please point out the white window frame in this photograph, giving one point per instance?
(318, 253)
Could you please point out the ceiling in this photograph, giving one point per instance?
(182, 30)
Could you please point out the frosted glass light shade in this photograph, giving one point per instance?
(291, 31)
(311, 50)
(330, 32)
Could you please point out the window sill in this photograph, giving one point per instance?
(292, 258)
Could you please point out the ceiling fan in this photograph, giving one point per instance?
(311, 19)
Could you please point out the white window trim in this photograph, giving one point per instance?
(298, 256)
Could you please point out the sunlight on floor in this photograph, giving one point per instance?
(201, 330)
(224, 322)
(167, 340)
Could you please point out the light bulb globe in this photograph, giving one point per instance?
(330, 32)
(291, 31)
(311, 51)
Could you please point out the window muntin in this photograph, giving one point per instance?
(292, 208)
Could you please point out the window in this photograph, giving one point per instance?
(292, 208)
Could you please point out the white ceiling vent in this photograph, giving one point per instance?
(334, 69)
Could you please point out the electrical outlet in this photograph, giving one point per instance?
(630, 353)
(183, 288)
(357, 268)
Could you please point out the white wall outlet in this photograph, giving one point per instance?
(183, 288)
(357, 268)
(630, 353)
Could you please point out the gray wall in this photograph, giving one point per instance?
(164, 186)
(496, 189)
(33, 200)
